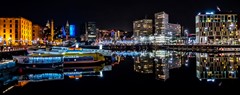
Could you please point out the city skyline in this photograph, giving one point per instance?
(112, 14)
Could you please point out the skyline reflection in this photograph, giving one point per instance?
(211, 66)
(159, 65)
(158, 62)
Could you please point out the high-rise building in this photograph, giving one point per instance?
(166, 32)
(217, 28)
(142, 27)
(91, 31)
(161, 22)
(15, 31)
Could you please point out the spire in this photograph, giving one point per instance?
(52, 30)
(48, 24)
(67, 24)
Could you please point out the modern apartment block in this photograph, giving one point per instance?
(217, 28)
(142, 27)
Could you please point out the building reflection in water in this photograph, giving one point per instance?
(158, 62)
(217, 66)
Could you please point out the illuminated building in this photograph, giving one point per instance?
(36, 32)
(72, 30)
(110, 34)
(142, 27)
(91, 32)
(217, 66)
(175, 29)
(173, 32)
(15, 31)
(218, 29)
(161, 22)
(166, 32)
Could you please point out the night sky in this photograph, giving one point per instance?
(118, 14)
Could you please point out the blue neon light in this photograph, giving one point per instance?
(72, 30)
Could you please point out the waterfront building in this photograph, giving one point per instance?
(165, 32)
(161, 22)
(91, 32)
(142, 27)
(173, 33)
(217, 28)
(15, 31)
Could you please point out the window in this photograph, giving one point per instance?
(10, 21)
(10, 25)
(10, 35)
(4, 30)
(16, 21)
(210, 33)
(16, 31)
(16, 25)
(10, 30)
(4, 25)
(4, 36)
(4, 20)
(16, 36)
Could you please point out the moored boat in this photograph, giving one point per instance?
(39, 61)
(74, 57)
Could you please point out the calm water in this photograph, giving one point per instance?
(151, 72)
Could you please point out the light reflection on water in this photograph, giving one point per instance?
(207, 67)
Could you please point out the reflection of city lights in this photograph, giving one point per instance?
(101, 74)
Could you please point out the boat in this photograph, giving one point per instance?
(74, 57)
(39, 61)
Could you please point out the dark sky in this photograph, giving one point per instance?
(112, 13)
